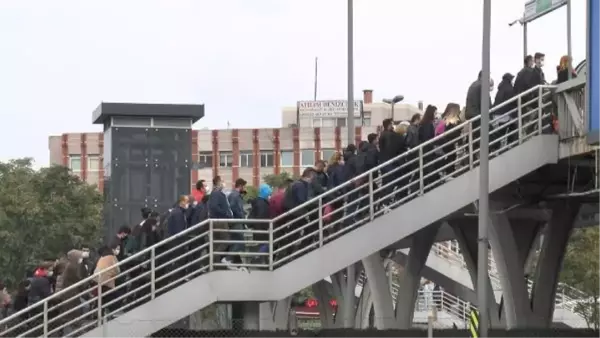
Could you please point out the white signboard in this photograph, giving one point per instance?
(537, 8)
(328, 108)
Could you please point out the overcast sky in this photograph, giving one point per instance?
(245, 59)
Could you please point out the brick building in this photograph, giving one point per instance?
(245, 153)
(230, 153)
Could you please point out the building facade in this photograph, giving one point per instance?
(230, 153)
(370, 114)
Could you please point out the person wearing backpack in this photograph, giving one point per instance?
(298, 193)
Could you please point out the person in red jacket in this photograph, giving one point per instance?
(276, 200)
(200, 191)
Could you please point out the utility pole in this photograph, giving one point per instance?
(350, 122)
(484, 172)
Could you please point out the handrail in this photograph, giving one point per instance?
(562, 299)
(425, 171)
(415, 149)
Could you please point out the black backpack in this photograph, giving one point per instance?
(288, 198)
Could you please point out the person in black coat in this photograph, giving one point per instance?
(505, 92)
(426, 133)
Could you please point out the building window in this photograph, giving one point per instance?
(307, 157)
(93, 162)
(205, 159)
(267, 160)
(225, 159)
(246, 159)
(340, 122)
(328, 123)
(75, 163)
(326, 154)
(287, 158)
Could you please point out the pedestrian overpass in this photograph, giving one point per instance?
(184, 273)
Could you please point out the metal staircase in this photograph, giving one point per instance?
(184, 273)
(566, 299)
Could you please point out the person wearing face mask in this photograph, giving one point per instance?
(218, 207)
(538, 77)
(177, 222)
(106, 272)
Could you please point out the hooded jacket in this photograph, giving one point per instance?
(505, 92)
(260, 210)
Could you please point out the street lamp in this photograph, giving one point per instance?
(392, 102)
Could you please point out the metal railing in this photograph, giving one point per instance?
(570, 99)
(200, 248)
(442, 301)
(567, 297)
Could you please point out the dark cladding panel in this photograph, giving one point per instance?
(130, 144)
(171, 153)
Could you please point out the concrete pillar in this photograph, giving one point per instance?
(379, 291)
(409, 280)
(213, 317)
(251, 314)
(323, 292)
(275, 315)
(556, 237)
(510, 268)
(466, 236)
(365, 304)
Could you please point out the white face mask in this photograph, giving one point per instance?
(50, 273)
(116, 251)
(85, 254)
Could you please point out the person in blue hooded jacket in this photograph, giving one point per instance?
(260, 210)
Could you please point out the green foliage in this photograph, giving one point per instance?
(43, 214)
(277, 180)
(251, 193)
(580, 271)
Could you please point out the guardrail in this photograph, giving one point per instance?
(566, 296)
(200, 249)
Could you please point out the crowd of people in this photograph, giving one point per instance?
(396, 138)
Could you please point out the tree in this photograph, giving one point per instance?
(43, 214)
(580, 271)
(275, 180)
(251, 193)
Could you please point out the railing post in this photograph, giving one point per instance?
(46, 318)
(211, 251)
(271, 246)
(519, 119)
(372, 197)
(540, 109)
(320, 222)
(152, 273)
(470, 145)
(99, 305)
(421, 181)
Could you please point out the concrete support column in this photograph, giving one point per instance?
(251, 314)
(365, 304)
(323, 292)
(466, 236)
(410, 278)
(510, 268)
(556, 237)
(379, 292)
(275, 315)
